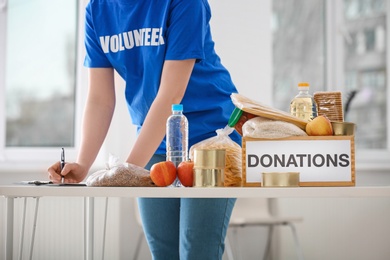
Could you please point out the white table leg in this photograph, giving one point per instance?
(9, 228)
(34, 227)
(88, 227)
(104, 228)
(21, 238)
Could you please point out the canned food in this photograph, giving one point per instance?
(209, 167)
(208, 177)
(280, 179)
(209, 158)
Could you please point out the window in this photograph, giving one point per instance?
(337, 46)
(298, 48)
(40, 73)
(38, 69)
(365, 69)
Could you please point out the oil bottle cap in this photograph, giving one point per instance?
(234, 117)
(304, 84)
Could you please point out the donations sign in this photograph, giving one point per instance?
(321, 161)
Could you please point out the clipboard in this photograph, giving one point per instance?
(50, 183)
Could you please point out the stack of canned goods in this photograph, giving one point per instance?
(209, 166)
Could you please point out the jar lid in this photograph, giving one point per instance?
(234, 117)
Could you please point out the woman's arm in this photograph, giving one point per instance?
(174, 81)
(97, 117)
(97, 114)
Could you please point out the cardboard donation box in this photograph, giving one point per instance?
(320, 161)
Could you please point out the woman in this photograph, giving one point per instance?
(165, 53)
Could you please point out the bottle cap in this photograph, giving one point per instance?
(234, 117)
(303, 84)
(177, 107)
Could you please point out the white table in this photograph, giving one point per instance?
(17, 191)
(223, 192)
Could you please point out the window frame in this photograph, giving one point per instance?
(3, 19)
(366, 159)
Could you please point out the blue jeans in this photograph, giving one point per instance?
(185, 228)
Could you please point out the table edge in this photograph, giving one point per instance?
(217, 192)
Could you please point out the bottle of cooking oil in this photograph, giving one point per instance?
(303, 105)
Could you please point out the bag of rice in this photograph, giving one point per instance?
(260, 127)
(120, 175)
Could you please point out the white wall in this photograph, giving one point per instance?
(332, 229)
(241, 31)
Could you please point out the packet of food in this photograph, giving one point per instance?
(120, 175)
(254, 108)
(330, 104)
(232, 172)
(260, 127)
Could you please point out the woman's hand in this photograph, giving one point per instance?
(72, 173)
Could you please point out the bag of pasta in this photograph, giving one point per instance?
(120, 175)
(232, 172)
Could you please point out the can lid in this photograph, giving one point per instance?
(234, 117)
(177, 107)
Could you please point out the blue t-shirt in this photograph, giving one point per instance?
(135, 37)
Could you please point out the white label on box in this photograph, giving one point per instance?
(316, 160)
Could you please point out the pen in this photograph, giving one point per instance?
(62, 163)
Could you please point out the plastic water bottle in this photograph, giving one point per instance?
(177, 136)
(303, 105)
